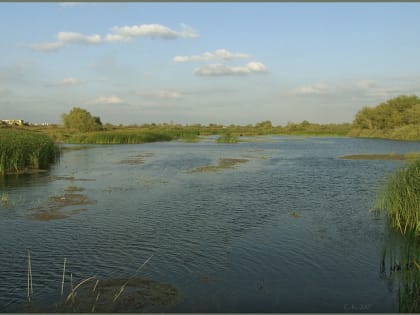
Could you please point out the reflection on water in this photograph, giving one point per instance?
(287, 231)
(400, 266)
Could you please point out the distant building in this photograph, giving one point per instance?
(13, 122)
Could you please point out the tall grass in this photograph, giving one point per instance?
(23, 149)
(227, 138)
(400, 198)
(128, 137)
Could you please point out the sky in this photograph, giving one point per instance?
(225, 63)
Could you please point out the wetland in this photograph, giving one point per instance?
(280, 224)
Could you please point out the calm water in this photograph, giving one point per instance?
(226, 240)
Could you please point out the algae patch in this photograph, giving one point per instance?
(60, 207)
(225, 163)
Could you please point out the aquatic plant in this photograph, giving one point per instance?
(227, 138)
(128, 137)
(4, 199)
(400, 198)
(21, 150)
(132, 292)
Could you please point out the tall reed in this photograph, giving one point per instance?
(400, 198)
(23, 149)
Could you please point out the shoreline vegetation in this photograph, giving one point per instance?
(28, 149)
(23, 151)
(389, 156)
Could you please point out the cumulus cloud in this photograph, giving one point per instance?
(223, 70)
(219, 54)
(104, 100)
(65, 82)
(118, 34)
(78, 38)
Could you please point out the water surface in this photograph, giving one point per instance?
(287, 231)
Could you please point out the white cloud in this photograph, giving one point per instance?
(65, 82)
(165, 94)
(78, 38)
(113, 99)
(223, 70)
(46, 47)
(316, 89)
(153, 31)
(220, 54)
(118, 34)
(65, 38)
(69, 4)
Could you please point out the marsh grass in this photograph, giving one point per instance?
(121, 137)
(22, 150)
(400, 198)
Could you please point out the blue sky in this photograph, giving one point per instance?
(206, 63)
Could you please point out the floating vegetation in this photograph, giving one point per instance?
(73, 189)
(60, 207)
(223, 164)
(400, 198)
(23, 151)
(71, 178)
(138, 159)
(389, 156)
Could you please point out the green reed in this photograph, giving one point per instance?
(120, 137)
(400, 198)
(227, 138)
(23, 149)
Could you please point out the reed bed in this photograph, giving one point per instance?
(400, 198)
(129, 137)
(21, 150)
(227, 138)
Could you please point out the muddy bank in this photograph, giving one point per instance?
(121, 295)
(389, 156)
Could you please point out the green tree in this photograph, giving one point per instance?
(394, 113)
(81, 120)
(264, 124)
